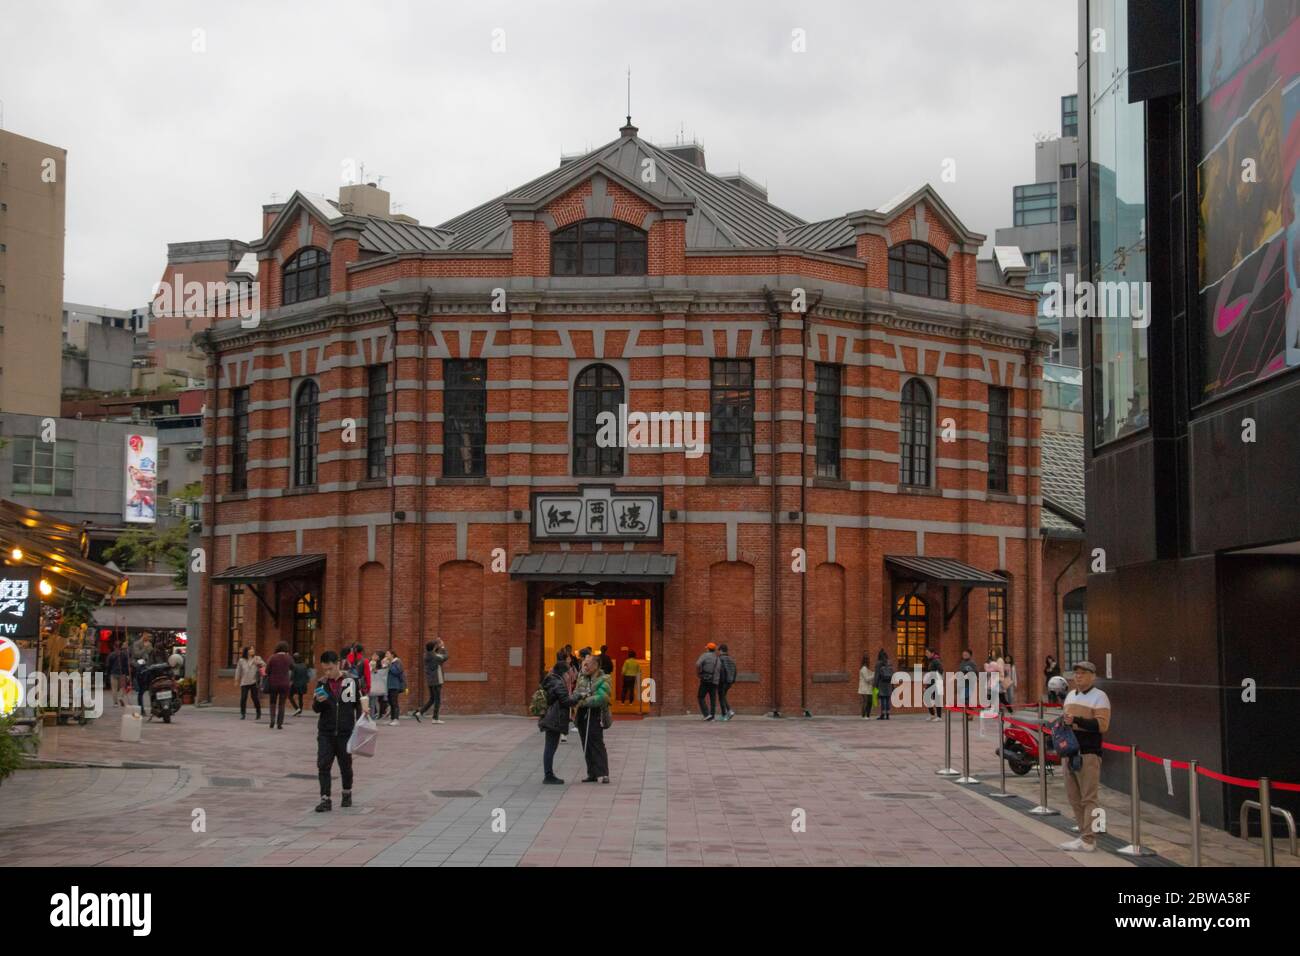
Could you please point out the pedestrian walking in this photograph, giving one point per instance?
(396, 686)
(591, 704)
(338, 700)
(726, 677)
(298, 684)
(435, 656)
(866, 684)
(1051, 669)
(606, 662)
(248, 675)
(555, 720)
(119, 673)
(378, 686)
(1087, 713)
(933, 684)
(631, 679)
(357, 664)
(884, 682)
(1010, 678)
(969, 679)
(279, 678)
(708, 671)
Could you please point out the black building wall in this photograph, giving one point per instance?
(1182, 620)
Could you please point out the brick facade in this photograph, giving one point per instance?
(439, 568)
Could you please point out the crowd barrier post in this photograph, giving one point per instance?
(1266, 819)
(1042, 810)
(965, 754)
(1194, 811)
(948, 769)
(1135, 848)
(1002, 739)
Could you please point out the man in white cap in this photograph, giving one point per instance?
(1087, 712)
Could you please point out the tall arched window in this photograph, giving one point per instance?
(914, 435)
(306, 418)
(306, 276)
(917, 269)
(597, 389)
(1075, 608)
(598, 247)
(911, 630)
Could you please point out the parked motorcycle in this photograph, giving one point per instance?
(164, 691)
(1020, 749)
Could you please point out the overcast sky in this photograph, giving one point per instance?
(167, 143)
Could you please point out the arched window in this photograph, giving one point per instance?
(306, 276)
(914, 435)
(918, 269)
(598, 247)
(306, 417)
(1075, 608)
(597, 389)
(911, 629)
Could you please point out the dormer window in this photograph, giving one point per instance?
(306, 276)
(598, 247)
(917, 269)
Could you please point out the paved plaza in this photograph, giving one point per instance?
(469, 793)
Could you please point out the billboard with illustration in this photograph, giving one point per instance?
(1249, 193)
(141, 506)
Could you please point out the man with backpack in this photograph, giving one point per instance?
(708, 668)
(356, 665)
(726, 677)
(969, 676)
(1086, 712)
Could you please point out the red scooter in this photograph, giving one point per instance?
(1020, 748)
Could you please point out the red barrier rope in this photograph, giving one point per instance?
(1150, 758)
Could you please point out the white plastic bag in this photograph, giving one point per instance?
(364, 736)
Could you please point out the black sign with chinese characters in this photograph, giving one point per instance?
(597, 513)
(20, 603)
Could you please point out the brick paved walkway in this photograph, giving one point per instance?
(684, 792)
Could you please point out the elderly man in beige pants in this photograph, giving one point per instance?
(1087, 712)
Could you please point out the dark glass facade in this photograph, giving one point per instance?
(1193, 519)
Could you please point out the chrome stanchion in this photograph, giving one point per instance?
(965, 755)
(1194, 811)
(1002, 739)
(948, 770)
(1266, 819)
(1042, 810)
(1135, 848)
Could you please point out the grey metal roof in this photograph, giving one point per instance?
(392, 235)
(725, 215)
(594, 566)
(1061, 467)
(942, 571)
(270, 569)
(827, 234)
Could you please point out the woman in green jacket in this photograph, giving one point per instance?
(591, 697)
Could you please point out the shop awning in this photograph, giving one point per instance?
(271, 570)
(58, 548)
(144, 617)
(594, 567)
(943, 571)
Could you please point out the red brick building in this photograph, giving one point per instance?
(406, 445)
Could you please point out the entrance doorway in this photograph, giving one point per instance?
(621, 625)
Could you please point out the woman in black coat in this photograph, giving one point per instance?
(555, 720)
(884, 682)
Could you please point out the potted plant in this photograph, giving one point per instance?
(188, 687)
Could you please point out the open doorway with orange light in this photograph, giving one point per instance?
(621, 626)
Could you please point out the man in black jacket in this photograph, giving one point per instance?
(556, 719)
(435, 655)
(339, 700)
